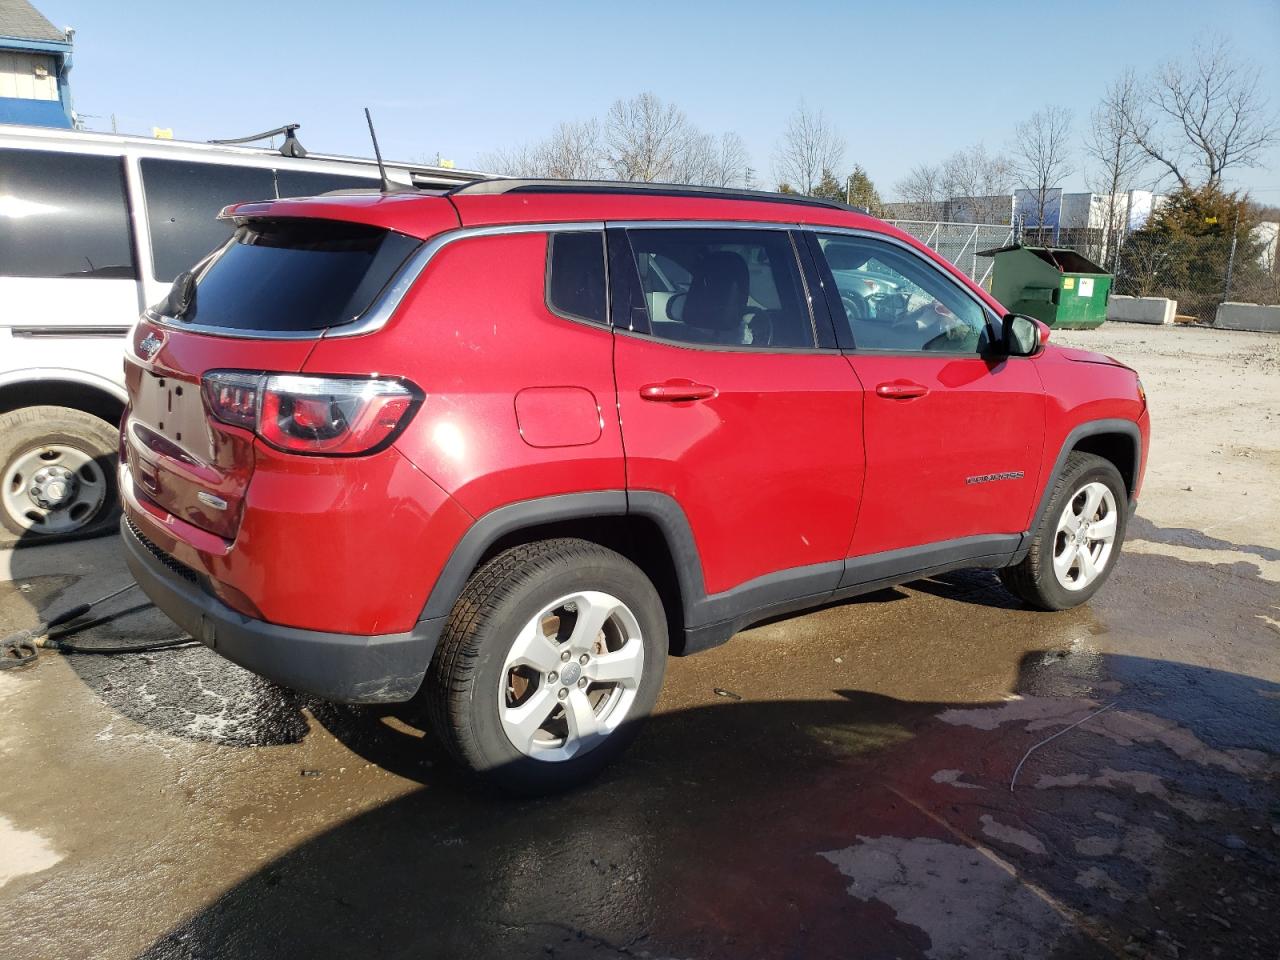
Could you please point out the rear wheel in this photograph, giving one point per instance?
(1077, 543)
(550, 659)
(57, 474)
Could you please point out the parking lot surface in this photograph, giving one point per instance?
(840, 784)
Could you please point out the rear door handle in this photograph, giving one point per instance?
(901, 390)
(673, 391)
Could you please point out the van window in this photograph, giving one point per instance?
(575, 282)
(63, 215)
(299, 274)
(183, 201)
(305, 183)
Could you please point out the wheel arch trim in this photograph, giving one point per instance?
(1090, 428)
(35, 375)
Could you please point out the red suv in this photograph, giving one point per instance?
(508, 447)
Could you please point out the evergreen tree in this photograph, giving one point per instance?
(862, 192)
(828, 187)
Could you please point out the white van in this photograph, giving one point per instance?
(93, 229)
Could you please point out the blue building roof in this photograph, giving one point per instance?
(40, 113)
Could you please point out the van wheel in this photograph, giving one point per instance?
(550, 659)
(57, 474)
(1078, 540)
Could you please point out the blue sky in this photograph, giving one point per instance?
(904, 82)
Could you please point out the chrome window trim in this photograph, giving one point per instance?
(388, 301)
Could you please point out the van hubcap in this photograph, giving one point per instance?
(52, 489)
(1085, 536)
(571, 676)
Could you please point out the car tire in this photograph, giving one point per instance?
(1071, 556)
(519, 644)
(57, 475)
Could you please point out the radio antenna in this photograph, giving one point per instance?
(387, 185)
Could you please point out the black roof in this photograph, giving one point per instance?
(22, 21)
(494, 186)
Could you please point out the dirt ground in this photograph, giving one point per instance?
(835, 785)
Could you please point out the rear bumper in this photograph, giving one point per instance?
(350, 668)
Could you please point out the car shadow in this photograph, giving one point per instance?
(806, 829)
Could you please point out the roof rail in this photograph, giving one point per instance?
(494, 186)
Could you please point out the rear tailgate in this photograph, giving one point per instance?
(259, 305)
(179, 457)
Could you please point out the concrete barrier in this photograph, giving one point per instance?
(1142, 309)
(1248, 316)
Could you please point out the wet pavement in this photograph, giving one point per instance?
(835, 785)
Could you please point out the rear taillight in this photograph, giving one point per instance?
(335, 416)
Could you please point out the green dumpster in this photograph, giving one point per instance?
(1060, 287)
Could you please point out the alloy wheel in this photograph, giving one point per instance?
(571, 676)
(1085, 536)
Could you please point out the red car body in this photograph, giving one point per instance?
(748, 482)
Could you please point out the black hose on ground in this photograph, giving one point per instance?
(22, 648)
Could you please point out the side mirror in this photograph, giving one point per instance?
(1022, 336)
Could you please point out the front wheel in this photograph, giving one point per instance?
(1077, 542)
(550, 659)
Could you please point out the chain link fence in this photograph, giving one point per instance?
(960, 242)
(1198, 272)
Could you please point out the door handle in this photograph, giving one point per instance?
(673, 391)
(901, 390)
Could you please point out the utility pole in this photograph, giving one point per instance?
(1231, 257)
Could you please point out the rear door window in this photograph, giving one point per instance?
(63, 215)
(183, 202)
(280, 275)
(730, 287)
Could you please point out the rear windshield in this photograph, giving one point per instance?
(296, 275)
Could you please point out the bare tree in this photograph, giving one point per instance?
(641, 139)
(649, 140)
(572, 152)
(978, 184)
(1204, 117)
(1117, 157)
(921, 195)
(808, 146)
(1042, 155)
(732, 167)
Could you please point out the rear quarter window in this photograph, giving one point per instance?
(576, 276)
(282, 275)
(63, 215)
